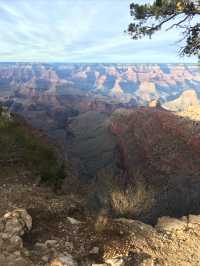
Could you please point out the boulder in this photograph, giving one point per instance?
(51, 243)
(64, 260)
(168, 224)
(73, 221)
(17, 222)
(116, 261)
(194, 219)
(13, 225)
(94, 250)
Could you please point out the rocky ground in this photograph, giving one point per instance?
(39, 227)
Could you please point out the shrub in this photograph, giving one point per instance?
(129, 199)
(19, 143)
(133, 201)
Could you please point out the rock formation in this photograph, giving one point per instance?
(171, 242)
(13, 225)
(187, 99)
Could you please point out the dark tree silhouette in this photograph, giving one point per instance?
(183, 15)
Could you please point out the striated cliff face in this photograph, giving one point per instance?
(147, 91)
(158, 139)
(187, 99)
(141, 82)
(55, 93)
(192, 113)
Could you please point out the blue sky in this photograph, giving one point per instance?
(78, 31)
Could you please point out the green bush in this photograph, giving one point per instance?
(18, 143)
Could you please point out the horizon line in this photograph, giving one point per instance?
(92, 63)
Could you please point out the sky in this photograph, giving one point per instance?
(78, 31)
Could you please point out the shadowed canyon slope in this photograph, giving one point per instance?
(148, 152)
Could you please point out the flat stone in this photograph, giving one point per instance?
(51, 243)
(64, 260)
(116, 262)
(45, 258)
(94, 250)
(194, 219)
(40, 245)
(168, 224)
(104, 264)
(73, 221)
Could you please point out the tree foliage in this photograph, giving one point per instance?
(181, 14)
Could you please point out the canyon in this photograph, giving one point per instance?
(105, 158)
(55, 93)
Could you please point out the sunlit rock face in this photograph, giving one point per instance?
(187, 99)
(100, 81)
(192, 113)
(117, 90)
(147, 91)
(167, 81)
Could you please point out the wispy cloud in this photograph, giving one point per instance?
(76, 31)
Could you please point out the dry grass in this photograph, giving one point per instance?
(132, 199)
(102, 220)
